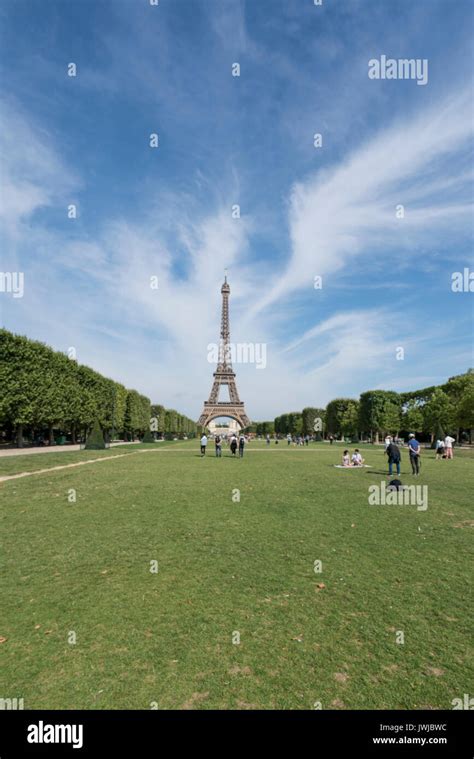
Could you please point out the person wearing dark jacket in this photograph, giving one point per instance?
(394, 457)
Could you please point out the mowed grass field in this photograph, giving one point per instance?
(167, 640)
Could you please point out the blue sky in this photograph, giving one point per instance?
(248, 140)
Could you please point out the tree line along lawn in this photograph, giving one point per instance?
(230, 569)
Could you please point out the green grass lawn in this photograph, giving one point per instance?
(225, 567)
(60, 456)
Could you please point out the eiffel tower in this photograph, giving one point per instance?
(224, 375)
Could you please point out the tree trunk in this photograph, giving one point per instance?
(19, 436)
(50, 435)
(73, 434)
(377, 436)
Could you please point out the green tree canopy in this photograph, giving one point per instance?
(340, 418)
(412, 416)
(380, 412)
(439, 412)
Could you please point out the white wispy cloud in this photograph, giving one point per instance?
(335, 215)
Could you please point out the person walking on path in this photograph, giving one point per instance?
(448, 446)
(414, 450)
(394, 457)
(241, 446)
(218, 444)
(203, 445)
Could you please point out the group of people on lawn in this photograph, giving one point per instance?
(444, 449)
(354, 460)
(394, 456)
(233, 445)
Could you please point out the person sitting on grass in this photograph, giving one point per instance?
(357, 459)
(346, 461)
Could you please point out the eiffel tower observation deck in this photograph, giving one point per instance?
(224, 375)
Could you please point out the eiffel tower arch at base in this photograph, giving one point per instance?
(215, 410)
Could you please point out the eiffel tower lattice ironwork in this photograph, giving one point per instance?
(224, 375)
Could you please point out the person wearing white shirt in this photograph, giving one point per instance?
(448, 446)
(439, 449)
(203, 445)
(357, 459)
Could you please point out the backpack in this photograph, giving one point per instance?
(394, 485)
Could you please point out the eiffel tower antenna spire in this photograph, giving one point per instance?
(224, 375)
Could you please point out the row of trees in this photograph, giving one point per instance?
(432, 411)
(168, 422)
(262, 428)
(44, 390)
(291, 422)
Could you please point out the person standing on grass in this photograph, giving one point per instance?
(448, 446)
(387, 442)
(414, 450)
(288, 437)
(394, 457)
(203, 444)
(218, 444)
(233, 445)
(268, 439)
(439, 449)
(241, 446)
